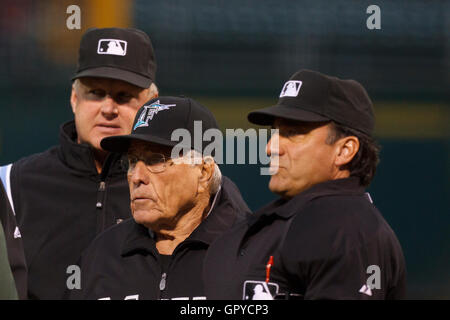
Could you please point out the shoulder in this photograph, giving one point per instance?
(101, 262)
(106, 248)
(336, 224)
(111, 239)
(233, 196)
(28, 171)
(342, 211)
(36, 162)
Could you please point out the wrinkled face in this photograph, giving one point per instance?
(304, 157)
(160, 198)
(104, 107)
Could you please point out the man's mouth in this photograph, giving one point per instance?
(141, 198)
(109, 127)
(138, 198)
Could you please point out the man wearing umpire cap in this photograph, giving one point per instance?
(180, 204)
(65, 196)
(323, 238)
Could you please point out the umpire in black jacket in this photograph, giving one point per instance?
(180, 204)
(323, 238)
(63, 197)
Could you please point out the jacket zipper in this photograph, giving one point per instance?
(162, 285)
(99, 205)
(101, 190)
(102, 219)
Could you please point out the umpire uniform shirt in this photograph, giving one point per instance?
(61, 204)
(123, 262)
(328, 242)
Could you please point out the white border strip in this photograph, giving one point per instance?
(5, 172)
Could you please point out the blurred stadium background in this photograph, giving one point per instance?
(234, 56)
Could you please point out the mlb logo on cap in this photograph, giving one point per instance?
(112, 46)
(291, 89)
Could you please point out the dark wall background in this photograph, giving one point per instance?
(234, 56)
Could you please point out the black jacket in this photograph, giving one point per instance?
(61, 204)
(14, 245)
(123, 262)
(329, 242)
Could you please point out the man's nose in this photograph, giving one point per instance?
(274, 146)
(139, 173)
(109, 107)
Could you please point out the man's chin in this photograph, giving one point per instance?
(281, 189)
(102, 134)
(145, 217)
(275, 187)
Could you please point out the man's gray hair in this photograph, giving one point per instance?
(194, 157)
(216, 179)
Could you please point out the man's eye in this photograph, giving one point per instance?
(97, 92)
(155, 159)
(289, 132)
(124, 97)
(132, 161)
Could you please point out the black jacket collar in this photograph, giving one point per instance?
(287, 208)
(137, 239)
(80, 156)
(228, 209)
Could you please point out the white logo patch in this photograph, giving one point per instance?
(291, 89)
(112, 46)
(149, 111)
(366, 290)
(17, 233)
(259, 290)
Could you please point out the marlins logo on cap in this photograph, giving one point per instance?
(149, 111)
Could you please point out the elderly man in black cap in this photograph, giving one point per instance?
(68, 194)
(180, 204)
(323, 238)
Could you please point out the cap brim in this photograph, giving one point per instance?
(115, 73)
(122, 143)
(267, 115)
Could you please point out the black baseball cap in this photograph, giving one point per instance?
(159, 117)
(311, 96)
(116, 53)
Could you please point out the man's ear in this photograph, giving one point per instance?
(73, 98)
(206, 172)
(347, 148)
(152, 92)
